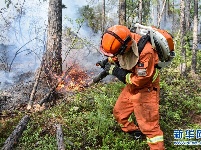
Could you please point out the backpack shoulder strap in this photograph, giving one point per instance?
(142, 42)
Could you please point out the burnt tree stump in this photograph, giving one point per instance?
(16, 134)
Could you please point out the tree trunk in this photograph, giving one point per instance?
(158, 11)
(53, 59)
(140, 12)
(166, 11)
(103, 17)
(168, 7)
(16, 134)
(195, 38)
(161, 14)
(187, 17)
(173, 18)
(188, 22)
(122, 12)
(182, 27)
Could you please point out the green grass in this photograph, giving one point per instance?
(88, 123)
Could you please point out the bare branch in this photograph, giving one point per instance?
(73, 42)
(18, 51)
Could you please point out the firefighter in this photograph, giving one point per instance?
(141, 93)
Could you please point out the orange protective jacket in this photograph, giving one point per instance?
(147, 59)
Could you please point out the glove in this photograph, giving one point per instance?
(102, 63)
(116, 71)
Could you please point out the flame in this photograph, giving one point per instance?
(76, 79)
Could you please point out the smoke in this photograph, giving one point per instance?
(25, 31)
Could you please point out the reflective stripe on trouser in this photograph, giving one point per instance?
(145, 105)
(155, 139)
(156, 143)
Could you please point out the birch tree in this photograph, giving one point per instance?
(122, 12)
(173, 17)
(182, 38)
(187, 11)
(195, 37)
(161, 13)
(140, 12)
(158, 11)
(103, 17)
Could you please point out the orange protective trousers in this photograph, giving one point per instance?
(144, 104)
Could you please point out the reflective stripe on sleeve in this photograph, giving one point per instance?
(111, 69)
(155, 139)
(155, 75)
(128, 78)
(110, 60)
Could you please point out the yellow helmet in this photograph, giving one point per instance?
(116, 40)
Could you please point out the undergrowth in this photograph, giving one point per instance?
(87, 120)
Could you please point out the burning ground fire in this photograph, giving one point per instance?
(76, 79)
(71, 80)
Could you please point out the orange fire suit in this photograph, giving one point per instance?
(141, 96)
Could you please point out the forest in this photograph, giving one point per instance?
(51, 93)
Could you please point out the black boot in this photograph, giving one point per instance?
(137, 135)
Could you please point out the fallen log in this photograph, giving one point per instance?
(60, 138)
(48, 95)
(16, 134)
